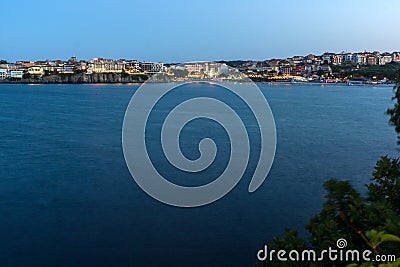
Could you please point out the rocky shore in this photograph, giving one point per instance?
(81, 78)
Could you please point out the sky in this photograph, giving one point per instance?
(184, 31)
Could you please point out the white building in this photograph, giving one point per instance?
(327, 57)
(65, 69)
(396, 57)
(359, 58)
(383, 60)
(100, 65)
(3, 74)
(347, 57)
(17, 74)
(132, 66)
(151, 67)
(194, 68)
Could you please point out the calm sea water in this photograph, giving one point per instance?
(67, 198)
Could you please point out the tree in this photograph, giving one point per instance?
(395, 111)
(371, 222)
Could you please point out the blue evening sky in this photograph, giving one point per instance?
(178, 30)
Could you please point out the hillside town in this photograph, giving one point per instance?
(351, 68)
(325, 68)
(22, 69)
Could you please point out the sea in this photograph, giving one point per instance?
(67, 197)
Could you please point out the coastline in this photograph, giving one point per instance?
(124, 78)
(37, 82)
(80, 78)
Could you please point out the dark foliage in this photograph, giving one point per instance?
(371, 222)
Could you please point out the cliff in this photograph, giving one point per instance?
(82, 78)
